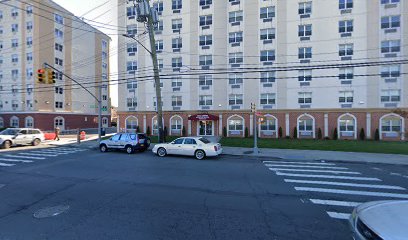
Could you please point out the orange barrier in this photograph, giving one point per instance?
(49, 136)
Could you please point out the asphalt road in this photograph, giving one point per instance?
(68, 193)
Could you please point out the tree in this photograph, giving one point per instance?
(148, 131)
(377, 135)
(165, 133)
(319, 134)
(295, 133)
(246, 132)
(224, 131)
(362, 135)
(280, 132)
(335, 136)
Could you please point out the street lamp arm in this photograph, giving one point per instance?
(128, 36)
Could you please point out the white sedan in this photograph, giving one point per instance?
(189, 146)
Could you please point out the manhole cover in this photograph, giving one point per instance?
(51, 211)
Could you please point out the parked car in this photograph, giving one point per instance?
(129, 142)
(198, 147)
(20, 136)
(380, 220)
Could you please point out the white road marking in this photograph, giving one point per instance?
(6, 165)
(327, 176)
(336, 215)
(316, 171)
(15, 160)
(49, 152)
(301, 163)
(346, 184)
(2, 185)
(39, 154)
(396, 174)
(27, 157)
(335, 203)
(304, 166)
(352, 192)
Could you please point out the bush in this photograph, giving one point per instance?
(137, 129)
(295, 133)
(183, 131)
(335, 136)
(362, 135)
(377, 135)
(148, 131)
(280, 132)
(246, 132)
(326, 138)
(287, 137)
(319, 134)
(224, 131)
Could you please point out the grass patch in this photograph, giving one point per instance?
(328, 145)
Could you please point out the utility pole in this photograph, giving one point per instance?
(148, 14)
(255, 126)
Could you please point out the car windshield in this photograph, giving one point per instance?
(204, 140)
(9, 131)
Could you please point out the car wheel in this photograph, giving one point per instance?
(6, 144)
(103, 148)
(36, 142)
(199, 154)
(161, 152)
(129, 149)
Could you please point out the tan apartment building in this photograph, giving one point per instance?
(36, 32)
(317, 66)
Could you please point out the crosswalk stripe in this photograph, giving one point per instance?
(346, 184)
(335, 203)
(336, 215)
(302, 163)
(327, 176)
(6, 165)
(53, 152)
(305, 166)
(352, 192)
(15, 160)
(315, 171)
(27, 157)
(38, 154)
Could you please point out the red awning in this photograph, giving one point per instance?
(203, 117)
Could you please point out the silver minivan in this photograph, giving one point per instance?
(20, 136)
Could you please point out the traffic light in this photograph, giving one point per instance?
(41, 78)
(51, 76)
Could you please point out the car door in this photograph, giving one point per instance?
(175, 146)
(114, 141)
(21, 137)
(123, 140)
(189, 147)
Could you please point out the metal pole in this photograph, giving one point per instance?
(100, 113)
(256, 150)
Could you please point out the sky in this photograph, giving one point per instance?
(101, 11)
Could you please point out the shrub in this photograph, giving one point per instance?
(246, 132)
(335, 137)
(362, 135)
(295, 132)
(148, 131)
(280, 132)
(287, 137)
(183, 131)
(137, 129)
(377, 135)
(319, 134)
(224, 131)
(326, 138)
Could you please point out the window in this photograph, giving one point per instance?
(390, 95)
(305, 53)
(176, 24)
(14, 104)
(29, 122)
(176, 4)
(59, 90)
(58, 19)
(205, 2)
(29, 41)
(190, 141)
(236, 58)
(305, 76)
(205, 100)
(159, 27)
(305, 8)
(14, 122)
(305, 125)
(235, 124)
(59, 104)
(29, 104)
(29, 73)
(389, 1)
(29, 57)
(236, 16)
(131, 30)
(391, 124)
(158, 6)
(29, 26)
(235, 99)
(160, 63)
(1, 75)
(268, 34)
(346, 124)
(132, 48)
(305, 30)
(14, 58)
(59, 122)
(346, 50)
(1, 119)
(205, 40)
(131, 84)
(390, 71)
(235, 37)
(268, 77)
(14, 74)
(346, 26)
(1, 45)
(131, 66)
(391, 46)
(176, 125)
(14, 12)
(346, 97)
(177, 43)
(235, 79)
(269, 124)
(176, 101)
(131, 102)
(14, 89)
(14, 43)
(1, 30)
(390, 22)
(59, 47)
(268, 98)
(206, 20)
(59, 33)
(205, 80)
(1, 59)
(267, 55)
(176, 62)
(267, 12)
(176, 82)
(14, 28)
(59, 61)
(131, 12)
(29, 9)
(305, 98)
(346, 73)
(1, 15)
(345, 4)
(205, 60)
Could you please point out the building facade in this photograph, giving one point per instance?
(322, 67)
(36, 32)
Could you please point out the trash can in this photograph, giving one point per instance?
(103, 132)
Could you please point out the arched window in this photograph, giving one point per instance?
(268, 125)
(176, 124)
(29, 122)
(306, 126)
(131, 124)
(347, 126)
(14, 122)
(59, 122)
(391, 125)
(105, 122)
(235, 125)
(1, 122)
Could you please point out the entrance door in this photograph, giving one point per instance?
(205, 128)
